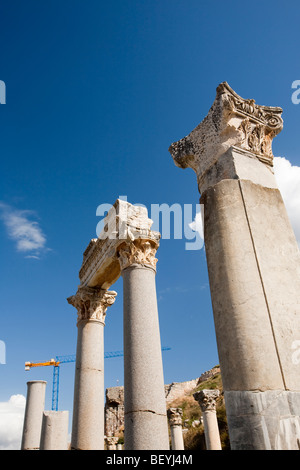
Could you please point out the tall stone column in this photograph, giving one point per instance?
(175, 421)
(207, 400)
(33, 418)
(254, 269)
(88, 407)
(54, 434)
(146, 426)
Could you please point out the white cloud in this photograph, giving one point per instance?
(197, 224)
(288, 180)
(11, 422)
(26, 232)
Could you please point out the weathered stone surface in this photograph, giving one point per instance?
(207, 400)
(177, 389)
(175, 421)
(54, 434)
(254, 266)
(92, 302)
(124, 223)
(33, 417)
(114, 410)
(126, 245)
(248, 355)
(252, 255)
(231, 122)
(145, 405)
(263, 420)
(112, 442)
(114, 406)
(175, 416)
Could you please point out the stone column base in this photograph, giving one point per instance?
(267, 420)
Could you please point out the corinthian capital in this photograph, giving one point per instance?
(175, 416)
(92, 302)
(207, 399)
(139, 251)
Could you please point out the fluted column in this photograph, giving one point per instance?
(88, 411)
(175, 421)
(207, 400)
(33, 418)
(146, 425)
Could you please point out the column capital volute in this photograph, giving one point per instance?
(140, 251)
(175, 416)
(91, 303)
(207, 399)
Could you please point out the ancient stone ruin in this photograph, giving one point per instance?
(254, 265)
(254, 273)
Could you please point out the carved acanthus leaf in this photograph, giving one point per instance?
(92, 302)
(137, 252)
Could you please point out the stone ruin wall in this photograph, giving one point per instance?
(114, 406)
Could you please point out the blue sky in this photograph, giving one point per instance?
(95, 94)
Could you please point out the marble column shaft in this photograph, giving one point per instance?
(112, 442)
(88, 408)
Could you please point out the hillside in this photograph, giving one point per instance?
(193, 430)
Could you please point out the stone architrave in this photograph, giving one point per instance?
(54, 434)
(207, 400)
(175, 421)
(254, 268)
(88, 408)
(127, 246)
(33, 417)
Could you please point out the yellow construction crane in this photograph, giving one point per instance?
(52, 362)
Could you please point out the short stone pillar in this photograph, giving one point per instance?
(54, 434)
(33, 418)
(119, 446)
(146, 425)
(112, 442)
(88, 407)
(254, 269)
(175, 421)
(207, 400)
